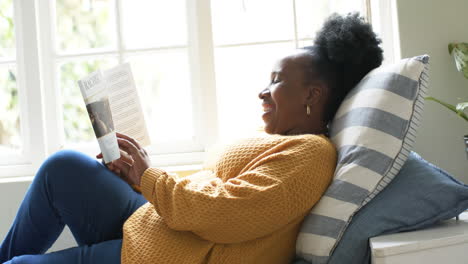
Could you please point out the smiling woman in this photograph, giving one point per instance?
(291, 105)
(247, 208)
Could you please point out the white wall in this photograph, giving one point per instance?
(426, 27)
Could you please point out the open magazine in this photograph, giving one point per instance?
(113, 105)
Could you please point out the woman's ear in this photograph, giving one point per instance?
(315, 94)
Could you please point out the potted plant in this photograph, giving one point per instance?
(459, 51)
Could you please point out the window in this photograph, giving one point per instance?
(99, 34)
(198, 66)
(85, 35)
(10, 135)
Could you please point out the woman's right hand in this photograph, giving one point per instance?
(133, 161)
(123, 156)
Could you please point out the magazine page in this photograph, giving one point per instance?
(125, 104)
(94, 91)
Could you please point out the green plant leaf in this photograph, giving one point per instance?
(449, 106)
(462, 106)
(460, 55)
(450, 47)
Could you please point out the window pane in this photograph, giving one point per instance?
(346, 6)
(241, 73)
(76, 122)
(305, 43)
(311, 14)
(242, 21)
(163, 82)
(85, 24)
(7, 30)
(10, 138)
(154, 23)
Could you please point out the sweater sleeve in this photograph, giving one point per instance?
(276, 190)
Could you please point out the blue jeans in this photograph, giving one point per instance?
(75, 190)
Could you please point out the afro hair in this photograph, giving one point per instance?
(344, 51)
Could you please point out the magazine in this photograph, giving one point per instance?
(113, 105)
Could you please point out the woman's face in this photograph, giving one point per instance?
(286, 98)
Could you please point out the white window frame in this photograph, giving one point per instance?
(39, 91)
(384, 18)
(28, 83)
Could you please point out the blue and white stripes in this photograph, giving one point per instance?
(374, 131)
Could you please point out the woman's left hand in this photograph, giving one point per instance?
(133, 171)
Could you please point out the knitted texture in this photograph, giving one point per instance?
(247, 209)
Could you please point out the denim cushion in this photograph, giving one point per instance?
(420, 195)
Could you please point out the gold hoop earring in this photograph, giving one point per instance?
(308, 110)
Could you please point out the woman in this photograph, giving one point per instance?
(247, 209)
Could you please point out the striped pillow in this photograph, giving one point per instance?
(374, 131)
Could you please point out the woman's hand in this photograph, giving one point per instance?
(133, 161)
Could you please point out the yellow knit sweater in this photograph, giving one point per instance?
(248, 209)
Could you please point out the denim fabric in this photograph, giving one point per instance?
(75, 190)
(420, 195)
